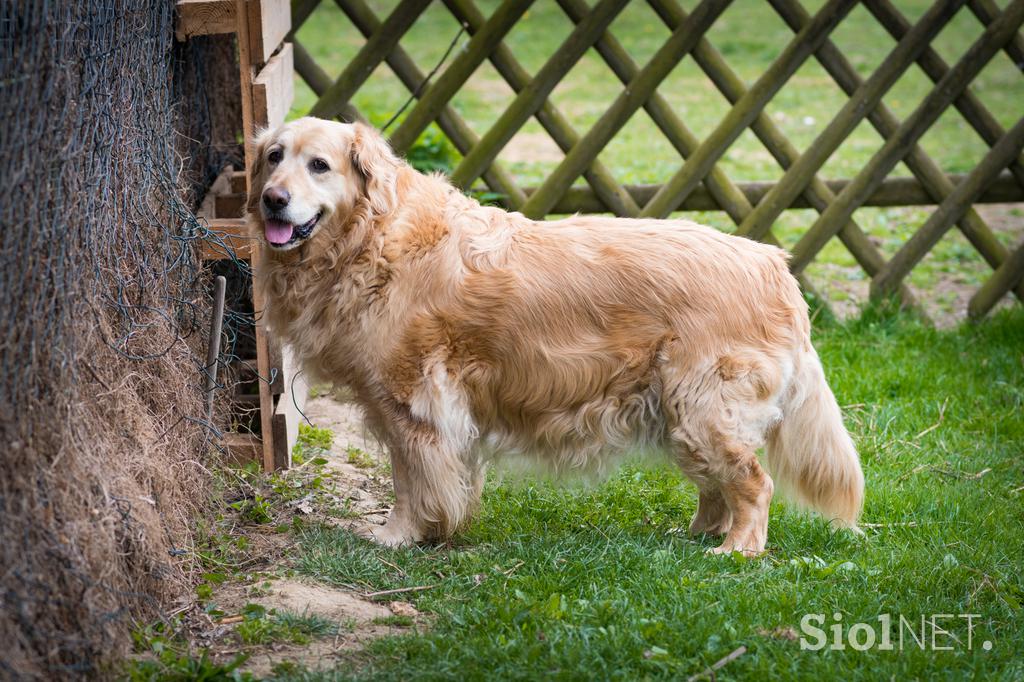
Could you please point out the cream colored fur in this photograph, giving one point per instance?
(466, 331)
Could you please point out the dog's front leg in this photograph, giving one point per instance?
(436, 488)
(402, 526)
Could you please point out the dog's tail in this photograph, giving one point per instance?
(810, 453)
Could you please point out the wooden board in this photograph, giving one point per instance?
(287, 411)
(269, 22)
(234, 234)
(229, 205)
(203, 18)
(220, 186)
(274, 89)
(241, 448)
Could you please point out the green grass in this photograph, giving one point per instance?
(749, 34)
(261, 626)
(599, 583)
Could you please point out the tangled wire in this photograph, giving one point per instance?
(110, 133)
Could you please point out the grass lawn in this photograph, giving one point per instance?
(600, 583)
(750, 35)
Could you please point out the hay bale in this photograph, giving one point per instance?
(110, 132)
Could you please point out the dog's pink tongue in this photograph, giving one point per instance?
(278, 231)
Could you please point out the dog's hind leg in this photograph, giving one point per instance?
(734, 495)
(712, 516)
(747, 490)
(715, 417)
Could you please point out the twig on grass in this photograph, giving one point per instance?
(388, 563)
(719, 664)
(370, 512)
(942, 415)
(904, 524)
(382, 593)
(512, 570)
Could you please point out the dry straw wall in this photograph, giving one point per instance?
(110, 130)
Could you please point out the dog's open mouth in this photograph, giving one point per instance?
(282, 233)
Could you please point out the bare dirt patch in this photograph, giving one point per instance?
(249, 584)
(358, 619)
(357, 460)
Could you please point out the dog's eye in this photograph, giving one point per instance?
(319, 166)
(274, 156)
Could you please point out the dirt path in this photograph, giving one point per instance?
(358, 493)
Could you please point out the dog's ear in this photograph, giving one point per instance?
(377, 164)
(259, 166)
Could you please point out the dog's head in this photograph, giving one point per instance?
(310, 171)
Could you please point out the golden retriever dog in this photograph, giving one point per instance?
(466, 331)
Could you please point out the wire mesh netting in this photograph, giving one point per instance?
(110, 132)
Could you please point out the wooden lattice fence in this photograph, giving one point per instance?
(700, 183)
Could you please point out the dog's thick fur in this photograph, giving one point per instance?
(466, 331)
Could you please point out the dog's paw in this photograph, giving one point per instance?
(389, 535)
(750, 544)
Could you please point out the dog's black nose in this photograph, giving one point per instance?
(276, 197)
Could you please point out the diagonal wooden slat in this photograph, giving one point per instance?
(896, 147)
(860, 102)
(752, 206)
(746, 110)
(911, 253)
(817, 192)
(457, 73)
(969, 106)
(1005, 278)
(464, 139)
(615, 198)
(987, 12)
(368, 58)
(530, 98)
(727, 195)
(319, 82)
(664, 60)
(886, 123)
(301, 11)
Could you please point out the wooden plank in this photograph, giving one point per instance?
(241, 448)
(203, 18)
(274, 89)
(220, 186)
(238, 182)
(230, 240)
(269, 22)
(246, 73)
(288, 409)
(892, 192)
(229, 205)
(1009, 275)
